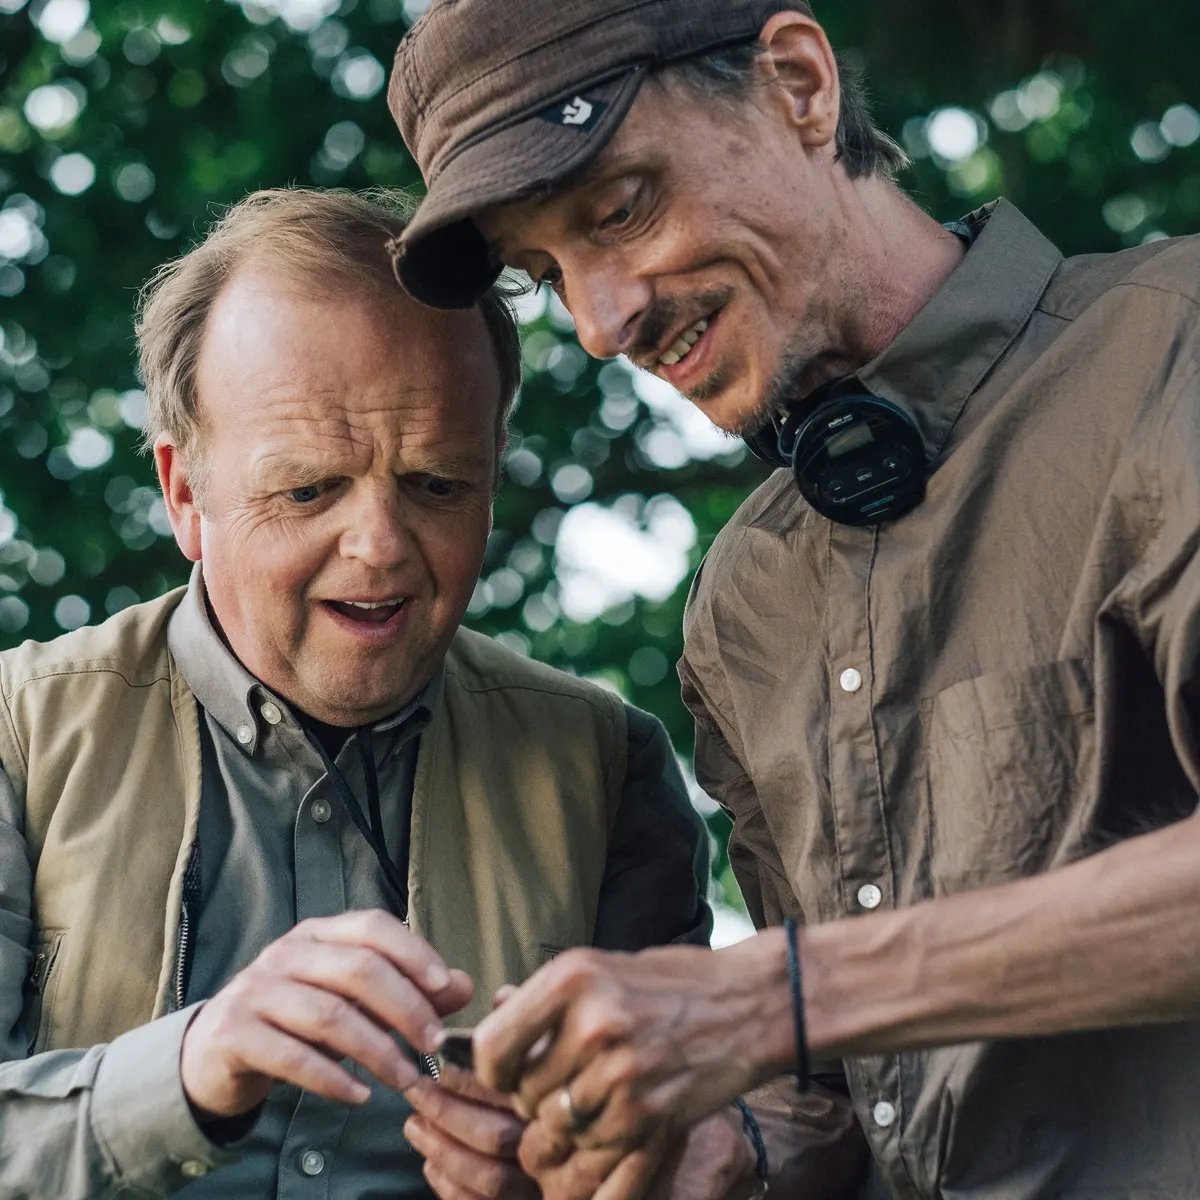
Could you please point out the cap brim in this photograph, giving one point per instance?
(442, 259)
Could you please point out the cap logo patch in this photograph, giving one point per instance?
(577, 113)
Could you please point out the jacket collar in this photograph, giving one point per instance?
(940, 358)
(240, 703)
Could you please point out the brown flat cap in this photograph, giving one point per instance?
(498, 99)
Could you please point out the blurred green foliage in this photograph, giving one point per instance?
(125, 125)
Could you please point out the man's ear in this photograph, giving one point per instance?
(182, 507)
(799, 58)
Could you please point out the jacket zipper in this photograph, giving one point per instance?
(428, 1062)
(181, 955)
(37, 972)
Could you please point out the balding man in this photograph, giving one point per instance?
(260, 835)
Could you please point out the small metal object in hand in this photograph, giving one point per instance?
(457, 1048)
(577, 1121)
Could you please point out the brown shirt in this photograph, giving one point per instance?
(1002, 681)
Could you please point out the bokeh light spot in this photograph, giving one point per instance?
(73, 174)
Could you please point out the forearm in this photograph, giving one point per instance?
(1110, 940)
(82, 1123)
(815, 1146)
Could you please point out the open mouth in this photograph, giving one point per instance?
(366, 612)
(682, 346)
(685, 356)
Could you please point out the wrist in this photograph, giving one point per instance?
(755, 1168)
(769, 1044)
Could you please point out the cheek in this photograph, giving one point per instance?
(453, 550)
(263, 561)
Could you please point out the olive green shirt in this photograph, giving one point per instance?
(1000, 682)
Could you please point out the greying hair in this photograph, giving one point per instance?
(862, 148)
(333, 240)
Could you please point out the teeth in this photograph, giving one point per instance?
(682, 347)
(373, 604)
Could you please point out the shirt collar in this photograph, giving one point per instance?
(240, 703)
(940, 358)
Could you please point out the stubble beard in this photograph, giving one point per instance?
(791, 383)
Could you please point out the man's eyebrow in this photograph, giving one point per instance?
(278, 469)
(462, 463)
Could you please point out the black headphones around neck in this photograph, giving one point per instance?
(857, 459)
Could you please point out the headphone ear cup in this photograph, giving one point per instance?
(763, 443)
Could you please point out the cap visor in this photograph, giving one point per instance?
(443, 260)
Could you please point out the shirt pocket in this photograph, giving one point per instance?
(1009, 763)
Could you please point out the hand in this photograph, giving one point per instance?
(331, 988)
(644, 1044)
(468, 1136)
(712, 1161)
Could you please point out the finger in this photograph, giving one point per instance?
(271, 1052)
(367, 978)
(542, 1147)
(596, 1025)
(468, 1085)
(595, 1032)
(632, 1177)
(446, 1188)
(462, 1166)
(504, 1038)
(565, 1122)
(580, 1177)
(492, 1132)
(326, 1019)
(389, 936)
(503, 993)
(614, 1101)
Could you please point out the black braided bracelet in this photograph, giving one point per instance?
(752, 1131)
(789, 927)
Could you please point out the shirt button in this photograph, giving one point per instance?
(869, 896)
(850, 679)
(312, 1162)
(884, 1114)
(321, 812)
(245, 734)
(193, 1169)
(271, 713)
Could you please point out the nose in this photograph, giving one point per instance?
(376, 533)
(607, 304)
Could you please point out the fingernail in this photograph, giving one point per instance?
(360, 1092)
(405, 1076)
(437, 977)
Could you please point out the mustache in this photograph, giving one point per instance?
(666, 315)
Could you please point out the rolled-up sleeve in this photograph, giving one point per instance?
(656, 877)
(80, 1123)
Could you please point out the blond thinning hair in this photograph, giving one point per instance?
(334, 241)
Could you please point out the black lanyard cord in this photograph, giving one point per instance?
(366, 752)
(371, 831)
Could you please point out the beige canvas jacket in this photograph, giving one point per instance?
(518, 780)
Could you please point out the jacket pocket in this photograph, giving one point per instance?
(40, 985)
(1010, 757)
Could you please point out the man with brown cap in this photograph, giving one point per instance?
(945, 667)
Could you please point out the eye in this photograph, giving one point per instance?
(440, 488)
(306, 494)
(618, 217)
(551, 278)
